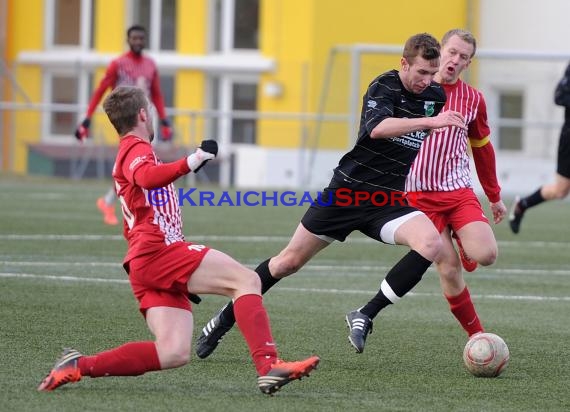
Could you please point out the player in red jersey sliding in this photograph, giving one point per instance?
(132, 68)
(163, 268)
(439, 182)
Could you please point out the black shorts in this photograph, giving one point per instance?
(335, 217)
(563, 165)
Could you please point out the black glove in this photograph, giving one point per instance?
(207, 151)
(210, 146)
(82, 131)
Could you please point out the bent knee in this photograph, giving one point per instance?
(561, 192)
(287, 264)
(488, 258)
(250, 280)
(429, 245)
(174, 357)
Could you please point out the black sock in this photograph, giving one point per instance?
(267, 282)
(531, 200)
(400, 280)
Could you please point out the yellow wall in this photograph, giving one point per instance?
(110, 30)
(110, 36)
(318, 26)
(26, 33)
(190, 86)
(297, 34)
(286, 35)
(5, 120)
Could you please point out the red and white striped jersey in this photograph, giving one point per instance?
(152, 218)
(131, 69)
(134, 70)
(442, 163)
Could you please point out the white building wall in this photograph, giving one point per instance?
(525, 24)
(534, 27)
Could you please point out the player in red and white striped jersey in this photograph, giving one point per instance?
(439, 182)
(163, 268)
(132, 68)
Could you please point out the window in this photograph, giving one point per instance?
(246, 24)
(244, 98)
(510, 109)
(141, 13)
(69, 23)
(235, 25)
(216, 27)
(66, 22)
(64, 87)
(213, 128)
(64, 90)
(167, 87)
(168, 25)
(159, 18)
(228, 95)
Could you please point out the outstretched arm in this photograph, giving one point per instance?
(140, 162)
(156, 96)
(108, 81)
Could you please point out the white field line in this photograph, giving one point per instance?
(287, 289)
(43, 264)
(61, 278)
(329, 268)
(251, 239)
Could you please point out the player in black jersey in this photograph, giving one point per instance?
(366, 192)
(561, 186)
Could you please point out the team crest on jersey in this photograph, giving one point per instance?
(429, 108)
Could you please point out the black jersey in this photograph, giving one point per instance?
(562, 96)
(383, 164)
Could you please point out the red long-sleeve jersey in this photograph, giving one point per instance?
(442, 163)
(149, 200)
(130, 69)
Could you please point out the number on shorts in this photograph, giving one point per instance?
(197, 248)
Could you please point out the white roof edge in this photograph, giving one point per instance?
(503, 54)
(238, 62)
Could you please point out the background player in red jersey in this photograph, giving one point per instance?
(439, 183)
(132, 68)
(163, 267)
(561, 186)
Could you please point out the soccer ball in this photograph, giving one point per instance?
(486, 355)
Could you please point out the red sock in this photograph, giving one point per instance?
(130, 359)
(463, 309)
(253, 323)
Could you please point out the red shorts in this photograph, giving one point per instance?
(455, 209)
(161, 278)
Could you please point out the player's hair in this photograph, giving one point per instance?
(136, 27)
(122, 107)
(464, 35)
(423, 45)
